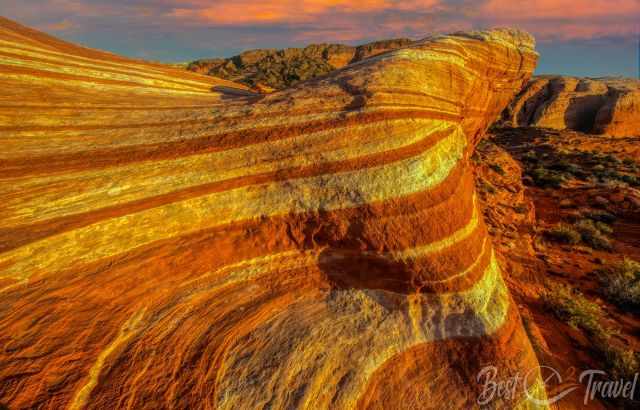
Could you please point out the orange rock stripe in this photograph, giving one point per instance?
(150, 266)
(251, 130)
(98, 71)
(13, 71)
(407, 374)
(279, 235)
(14, 237)
(13, 109)
(20, 167)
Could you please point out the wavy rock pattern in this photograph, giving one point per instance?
(599, 106)
(164, 246)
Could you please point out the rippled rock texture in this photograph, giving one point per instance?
(598, 106)
(172, 241)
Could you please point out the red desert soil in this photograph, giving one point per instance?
(170, 240)
(518, 216)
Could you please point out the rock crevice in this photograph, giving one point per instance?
(597, 106)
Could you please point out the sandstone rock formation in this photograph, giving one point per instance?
(279, 69)
(599, 106)
(168, 247)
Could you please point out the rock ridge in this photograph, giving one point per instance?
(171, 240)
(608, 106)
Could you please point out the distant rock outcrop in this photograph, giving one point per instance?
(279, 69)
(599, 106)
(166, 246)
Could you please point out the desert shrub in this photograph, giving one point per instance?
(610, 174)
(586, 227)
(604, 228)
(530, 156)
(621, 283)
(520, 209)
(591, 235)
(572, 307)
(564, 166)
(484, 145)
(611, 159)
(620, 362)
(545, 178)
(564, 234)
(599, 242)
(631, 180)
(580, 174)
(605, 169)
(497, 168)
(601, 216)
(486, 187)
(588, 231)
(584, 155)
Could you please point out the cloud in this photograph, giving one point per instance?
(568, 19)
(349, 20)
(551, 19)
(290, 12)
(62, 25)
(187, 29)
(567, 9)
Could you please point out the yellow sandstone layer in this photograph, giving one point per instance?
(170, 240)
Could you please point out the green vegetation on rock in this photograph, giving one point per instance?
(283, 68)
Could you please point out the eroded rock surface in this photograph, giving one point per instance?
(599, 106)
(165, 246)
(278, 69)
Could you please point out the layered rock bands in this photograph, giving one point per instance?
(170, 240)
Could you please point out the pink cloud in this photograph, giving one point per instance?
(63, 25)
(568, 19)
(565, 9)
(335, 20)
(330, 20)
(230, 12)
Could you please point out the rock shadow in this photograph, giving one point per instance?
(234, 93)
(581, 112)
(354, 269)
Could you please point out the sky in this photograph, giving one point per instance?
(575, 37)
